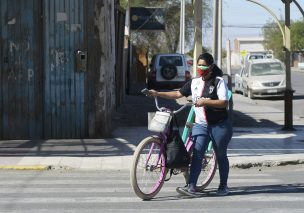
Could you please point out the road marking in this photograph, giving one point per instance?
(266, 136)
(127, 143)
(15, 167)
(130, 199)
(126, 183)
(266, 149)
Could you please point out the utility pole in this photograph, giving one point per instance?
(215, 30)
(229, 78)
(229, 64)
(198, 16)
(220, 17)
(182, 27)
(288, 92)
(128, 46)
(288, 115)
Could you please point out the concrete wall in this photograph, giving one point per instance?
(250, 45)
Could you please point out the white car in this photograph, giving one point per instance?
(263, 78)
(168, 71)
(255, 56)
(238, 81)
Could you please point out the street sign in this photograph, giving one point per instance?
(243, 53)
(147, 18)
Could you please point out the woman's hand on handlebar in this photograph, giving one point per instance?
(167, 95)
(152, 93)
(199, 102)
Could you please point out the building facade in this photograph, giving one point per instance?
(57, 68)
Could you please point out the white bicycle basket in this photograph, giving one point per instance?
(158, 121)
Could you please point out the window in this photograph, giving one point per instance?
(256, 57)
(267, 69)
(176, 60)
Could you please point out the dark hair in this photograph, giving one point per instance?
(216, 71)
(206, 57)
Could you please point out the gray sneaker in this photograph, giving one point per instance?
(222, 191)
(186, 191)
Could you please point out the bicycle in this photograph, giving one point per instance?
(149, 158)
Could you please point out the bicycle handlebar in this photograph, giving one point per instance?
(146, 92)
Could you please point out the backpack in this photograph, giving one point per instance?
(176, 152)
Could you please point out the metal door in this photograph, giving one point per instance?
(20, 70)
(64, 69)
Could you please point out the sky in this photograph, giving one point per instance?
(242, 18)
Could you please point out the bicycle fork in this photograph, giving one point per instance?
(153, 165)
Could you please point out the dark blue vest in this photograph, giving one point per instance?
(214, 115)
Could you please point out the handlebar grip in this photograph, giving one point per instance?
(145, 91)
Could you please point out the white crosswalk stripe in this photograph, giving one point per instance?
(94, 182)
(112, 192)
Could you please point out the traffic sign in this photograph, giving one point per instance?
(243, 53)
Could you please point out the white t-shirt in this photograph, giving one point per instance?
(195, 87)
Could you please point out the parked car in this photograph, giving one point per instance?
(168, 71)
(238, 81)
(255, 56)
(269, 55)
(263, 78)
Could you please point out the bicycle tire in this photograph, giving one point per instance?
(156, 185)
(208, 170)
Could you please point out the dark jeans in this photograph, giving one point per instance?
(220, 134)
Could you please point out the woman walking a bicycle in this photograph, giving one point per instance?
(210, 97)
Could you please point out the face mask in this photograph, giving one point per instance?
(203, 67)
(203, 70)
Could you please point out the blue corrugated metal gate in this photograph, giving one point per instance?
(64, 104)
(42, 89)
(20, 73)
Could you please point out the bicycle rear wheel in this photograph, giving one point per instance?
(208, 170)
(148, 169)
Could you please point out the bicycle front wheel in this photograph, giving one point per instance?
(148, 169)
(208, 170)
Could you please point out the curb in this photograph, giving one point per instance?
(297, 70)
(245, 165)
(35, 167)
(266, 164)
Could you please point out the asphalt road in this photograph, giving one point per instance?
(297, 79)
(133, 111)
(275, 189)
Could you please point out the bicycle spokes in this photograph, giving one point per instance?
(150, 168)
(209, 165)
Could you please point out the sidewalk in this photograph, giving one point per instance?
(249, 147)
(262, 138)
(297, 69)
(257, 141)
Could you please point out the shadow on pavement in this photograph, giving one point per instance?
(135, 108)
(65, 148)
(242, 120)
(271, 189)
(242, 190)
(134, 111)
(298, 97)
